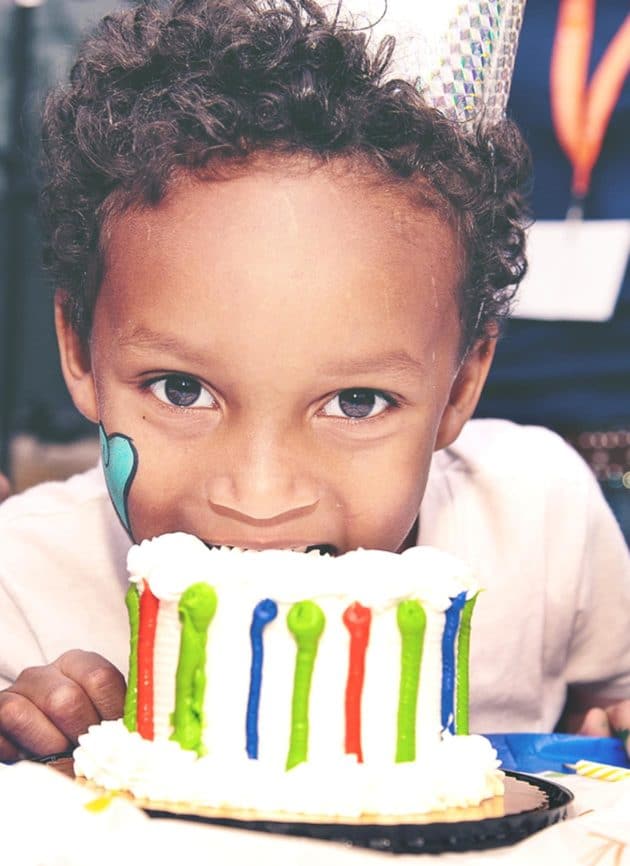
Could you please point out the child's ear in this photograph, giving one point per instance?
(465, 391)
(75, 362)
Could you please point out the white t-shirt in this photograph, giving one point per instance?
(516, 503)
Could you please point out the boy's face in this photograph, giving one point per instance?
(283, 353)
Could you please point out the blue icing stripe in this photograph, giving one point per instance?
(448, 661)
(264, 612)
(120, 462)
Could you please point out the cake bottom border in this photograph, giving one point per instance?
(430, 834)
(530, 804)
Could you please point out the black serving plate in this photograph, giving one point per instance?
(530, 804)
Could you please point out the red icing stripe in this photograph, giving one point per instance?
(357, 620)
(146, 641)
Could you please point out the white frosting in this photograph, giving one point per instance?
(461, 771)
(169, 563)
(376, 578)
(450, 771)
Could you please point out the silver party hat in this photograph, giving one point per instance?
(460, 55)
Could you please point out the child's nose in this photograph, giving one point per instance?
(261, 478)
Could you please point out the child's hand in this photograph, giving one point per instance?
(611, 721)
(47, 707)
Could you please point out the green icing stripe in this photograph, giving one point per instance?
(412, 622)
(130, 713)
(197, 607)
(306, 622)
(462, 682)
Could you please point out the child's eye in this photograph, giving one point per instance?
(183, 391)
(358, 403)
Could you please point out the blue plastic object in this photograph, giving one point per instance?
(534, 753)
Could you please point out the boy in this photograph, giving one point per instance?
(280, 282)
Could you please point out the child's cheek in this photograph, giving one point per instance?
(120, 462)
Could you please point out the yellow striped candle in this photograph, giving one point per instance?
(607, 772)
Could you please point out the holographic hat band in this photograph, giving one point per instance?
(460, 55)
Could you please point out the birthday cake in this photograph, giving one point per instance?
(282, 683)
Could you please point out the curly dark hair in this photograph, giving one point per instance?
(184, 85)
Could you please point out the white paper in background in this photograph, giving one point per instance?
(576, 269)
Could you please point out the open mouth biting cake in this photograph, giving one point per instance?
(277, 683)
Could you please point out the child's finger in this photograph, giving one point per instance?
(9, 752)
(594, 723)
(102, 682)
(619, 718)
(60, 699)
(5, 487)
(25, 729)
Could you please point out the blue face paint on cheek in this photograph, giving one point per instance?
(120, 461)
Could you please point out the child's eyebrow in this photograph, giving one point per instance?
(394, 363)
(142, 338)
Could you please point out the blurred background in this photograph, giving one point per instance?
(570, 375)
(41, 434)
